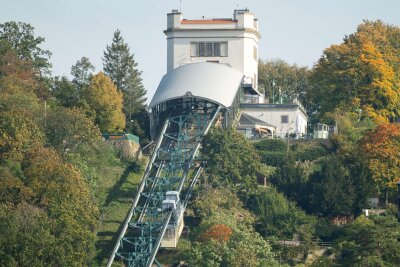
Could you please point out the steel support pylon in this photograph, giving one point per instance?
(171, 168)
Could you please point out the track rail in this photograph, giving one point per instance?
(167, 170)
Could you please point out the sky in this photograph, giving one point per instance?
(296, 31)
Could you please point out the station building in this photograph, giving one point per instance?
(194, 46)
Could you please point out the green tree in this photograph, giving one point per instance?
(65, 92)
(119, 64)
(231, 158)
(69, 130)
(291, 178)
(82, 71)
(277, 216)
(280, 80)
(69, 93)
(332, 189)
(21, 38)
(371, 241)
(104, 102)
(26, 237)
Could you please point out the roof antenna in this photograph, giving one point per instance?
(180, 6)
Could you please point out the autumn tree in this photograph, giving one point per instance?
(119, 64)
(280, 80)
(104, 102)
(381, 147)
(226, 235)
(21, 38)
(218, 232)
(361, 74)
(18, 134)
(62, 192)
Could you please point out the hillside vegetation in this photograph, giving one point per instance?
(64, 192)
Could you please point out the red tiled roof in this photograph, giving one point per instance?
(207, 21)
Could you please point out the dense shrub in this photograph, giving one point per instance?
(311, 153)
(272, 158)
(271, 145)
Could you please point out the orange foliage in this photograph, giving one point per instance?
(382, 150)
(217, 232)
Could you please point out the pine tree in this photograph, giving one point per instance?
(119, 64)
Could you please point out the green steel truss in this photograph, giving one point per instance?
(171, 168)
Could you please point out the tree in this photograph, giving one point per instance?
(20, 37)
(226, 236)
(18, 134)
(26, 238)
(332, 189)
(60, 190)
(291, 178)
(217, 232)
(69, 130)
(361, 74)
(381, 148)
(69, 93)
(231, 158)
(16, 70)
(279, 80)
(82, 72)
(65, 92)
(277, 216)
(119, 64)
(372, 241)
(104, 102)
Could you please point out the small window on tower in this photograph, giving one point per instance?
(255, 53)
(284, 119)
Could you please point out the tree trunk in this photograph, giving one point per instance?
(386, 197)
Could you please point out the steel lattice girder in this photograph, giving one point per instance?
(172, 163)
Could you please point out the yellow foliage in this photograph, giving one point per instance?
(105, 101)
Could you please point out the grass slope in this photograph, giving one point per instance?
(117, 188)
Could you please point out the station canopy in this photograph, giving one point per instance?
(215, 82)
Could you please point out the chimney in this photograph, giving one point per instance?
(174, 19)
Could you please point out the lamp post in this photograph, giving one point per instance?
(287, 136)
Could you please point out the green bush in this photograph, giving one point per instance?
(273, 158)
(311, 153)
(271, 145)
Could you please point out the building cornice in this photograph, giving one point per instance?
(245, 30)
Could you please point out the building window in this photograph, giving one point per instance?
(255, 53)
(209, 49)
(202, 49)
(285, 119)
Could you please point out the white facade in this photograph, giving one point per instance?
(287, 118)
(232, 41)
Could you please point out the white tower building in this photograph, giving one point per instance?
(231, 41)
